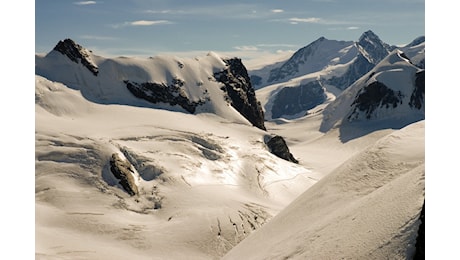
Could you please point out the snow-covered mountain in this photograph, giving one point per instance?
(189, 85)
(345, 61)
(394, 90)
(170, 158)
(319, 72)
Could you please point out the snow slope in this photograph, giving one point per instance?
(368, 208)
(197, 174)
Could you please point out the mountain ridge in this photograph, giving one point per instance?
(195, 85)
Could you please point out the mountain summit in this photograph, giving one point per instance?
(372, 47)
(77, 54)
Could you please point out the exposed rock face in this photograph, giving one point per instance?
(420, 244)
(123, 171)
(417, 98)
(373, 96)
(356, 70)
(77, 54)
(256, 80)
(172, 94)
(293, 100)
(240, 92)
(278, 147)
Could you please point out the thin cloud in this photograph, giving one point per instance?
(246, 48)
(352, 28)
(165, 11)
(277, 10)
(305, 20)
(141, 23)
(85, 3)
(148, 22)
(317, 20)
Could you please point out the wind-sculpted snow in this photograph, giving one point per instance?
(368, 208)
(200, 183)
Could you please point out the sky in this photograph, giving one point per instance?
(247, 29)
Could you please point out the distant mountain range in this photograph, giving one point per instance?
(325, 66)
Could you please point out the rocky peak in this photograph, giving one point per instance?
(77, 54)
(368, 36)
(240, 93)
(374, 48)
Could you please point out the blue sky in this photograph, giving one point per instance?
(244, 28)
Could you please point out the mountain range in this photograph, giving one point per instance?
(324, 69)
(320, 156)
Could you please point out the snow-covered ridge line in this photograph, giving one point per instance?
(209, 84)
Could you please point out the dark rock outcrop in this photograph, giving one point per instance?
(240, 93)
(420, 244)
(417, 99)
(356, 70)
(293, 100)
(77, 54)
(172, 94)
(122, 170)
(278, 147)
(373, 96)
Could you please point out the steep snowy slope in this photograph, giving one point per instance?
(393, 91)
(319, 55)
(368, 208)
